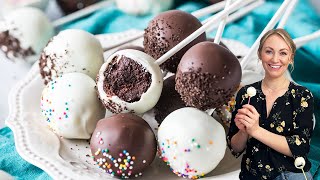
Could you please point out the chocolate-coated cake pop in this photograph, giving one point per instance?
(221, 43)
(129, 81)
(169, 101)
(70, 6)
(208, 75)
(123, 145)
(168, 29)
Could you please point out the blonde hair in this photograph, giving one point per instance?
(285, 36)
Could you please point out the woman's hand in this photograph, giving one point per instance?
(249, 117)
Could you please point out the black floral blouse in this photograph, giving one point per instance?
(291, 116)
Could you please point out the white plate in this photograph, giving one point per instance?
(70, 159)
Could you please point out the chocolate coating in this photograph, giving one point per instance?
(70, 6)
(139, 48)
(221, 43)
(214, 1)
(208, 75)
(124, 143)
(169, 101)
(168, 29)
(11, 47)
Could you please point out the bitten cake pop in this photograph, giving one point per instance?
(168, 29)
(208, 75)
(70, 6)
(23, 34)
(191, 142)
(71, 106)
(143, 7)
(129, 81)
(169, 101)
(71, 51)
(123, 145)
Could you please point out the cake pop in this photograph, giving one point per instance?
(208, 75)
(71, 51)
(23, 34)
(299, 163)
(251, 91)
(120, 65)
(10, 5)
(129, 81)
(191, 142)
(123, 145)
(168, 29)
(143, 7)
(169, 101)
(71, 106)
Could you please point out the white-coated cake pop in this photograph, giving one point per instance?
(299, 162)
(142, 7)
(9, 5)
(251, 91)
(129, 81)
(24, 33)
(191, 142)
(71, 106)
(71, 51)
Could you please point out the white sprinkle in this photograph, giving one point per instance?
(140, 174)
(119, 160)
(144, 161)
(110, 170)
(127, 154)
(98, 134)
(130, 167)
(116, 164)
(136, 175)
(131, 162)
(114, 161)
(100, 142)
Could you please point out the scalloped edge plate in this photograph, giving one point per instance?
(70, 159)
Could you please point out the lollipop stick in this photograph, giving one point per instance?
(209, 9)
(80, 13)
(199, 13)
(214, 19)
(305, 39)
(304, 174)
(222, 25)
(237, 15)
(269, 26)
(249, 100)
(287, 14)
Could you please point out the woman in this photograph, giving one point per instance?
(276, 127)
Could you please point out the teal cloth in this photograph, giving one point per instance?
(304, 20)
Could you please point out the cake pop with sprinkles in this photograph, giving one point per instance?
(191, 142)
(123, 145)
(71, 50)
(71, 107)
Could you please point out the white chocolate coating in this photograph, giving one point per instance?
(71, 106)
(31, 27)
(299, 162)
(73, 51)
(191, 139)
(142, 7)
(9, 5)
(148, 99)
(251, 91)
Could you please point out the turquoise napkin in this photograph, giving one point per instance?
(303, 20)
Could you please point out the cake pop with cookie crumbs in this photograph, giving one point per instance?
(71, 50)
(208, 75)
(168, 29)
